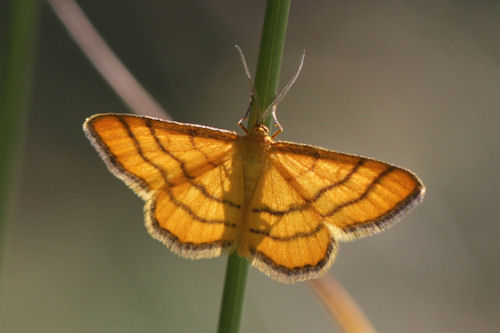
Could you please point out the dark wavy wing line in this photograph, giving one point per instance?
(297, 235)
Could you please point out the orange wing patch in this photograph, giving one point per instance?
(199, 223)
(186, 173)
(148, 154)
(356, 196)
(284, 236)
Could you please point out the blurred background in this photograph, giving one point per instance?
(416, 84)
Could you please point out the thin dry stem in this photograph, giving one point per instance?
(105, 61)
(341, 305)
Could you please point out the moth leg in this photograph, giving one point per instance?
(245, 117)
(276, 123)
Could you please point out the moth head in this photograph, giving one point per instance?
(260, 130)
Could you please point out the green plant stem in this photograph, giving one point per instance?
(269, 65)
(234, 292)
(20, 25)
(266, 84)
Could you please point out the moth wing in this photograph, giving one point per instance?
(355, 196)
(187, 174)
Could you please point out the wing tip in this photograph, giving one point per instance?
(136, 184)
(387, 220)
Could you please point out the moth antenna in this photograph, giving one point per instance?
(250, 80)
(287, 87)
